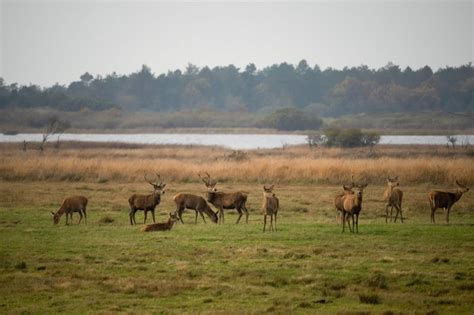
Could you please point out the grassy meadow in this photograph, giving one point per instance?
(307, 266)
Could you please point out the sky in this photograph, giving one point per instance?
(48, 42)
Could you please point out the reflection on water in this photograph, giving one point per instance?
(233, 141)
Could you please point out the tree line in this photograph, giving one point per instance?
(328, 92)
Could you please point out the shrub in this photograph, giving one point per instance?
(350, 138)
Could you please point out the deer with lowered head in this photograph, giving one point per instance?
(393, 197)
(197, 203)
(338, 201)
(146, 202)
(270, 207)
(352, 205)
(445, 200)
(221, 200)
(71, 204)
(166, 226)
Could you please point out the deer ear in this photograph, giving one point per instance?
(163, 186)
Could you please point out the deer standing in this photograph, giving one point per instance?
(352, 207)
(146, 202)
(393, 197)
(270, 207)
(71, 204)
(196, 203)
(445, 200)
(221, 200)
(339, 201)
(161, 226)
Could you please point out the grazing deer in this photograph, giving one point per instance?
(352, 204)
(70, 205)
(161, 226)
(444, 199)
(270, 207)
(146, 202)
(221, 200)
(196, 203)
(338, 203)
(393, 197)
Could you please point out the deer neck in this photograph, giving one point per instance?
(358, 201)
(458, 195)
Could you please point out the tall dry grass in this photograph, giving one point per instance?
(181, 164)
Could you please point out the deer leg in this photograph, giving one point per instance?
(386, 213)
(275, 222)
(343, 221)
(246, 214)
(401, 215)
(80, 217)
(202, 216)
(85, 215)
(180, 214)
(239, 210)
(222, 211)
(357, 222)
(146, 212)
(130, 215)
(67, 218)
(433, 216)
(447, 215)
(264, 221)
(153, 215)
(271, 222)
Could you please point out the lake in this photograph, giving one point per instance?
(232, 141)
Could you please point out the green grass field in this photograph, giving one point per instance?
(307, 266)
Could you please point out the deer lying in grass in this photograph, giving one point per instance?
(393, 197)
(270, 207)
(445, 200)
(161, 226)
(196, 203)
(352, 204)
(146, 202)
(221, 200)
(71, 204)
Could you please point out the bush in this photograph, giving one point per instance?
(292, 119)
(350, 138)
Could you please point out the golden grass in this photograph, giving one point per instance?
(288, 165)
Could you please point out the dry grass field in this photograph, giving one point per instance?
(307, 266)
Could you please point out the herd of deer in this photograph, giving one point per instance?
(348, 204)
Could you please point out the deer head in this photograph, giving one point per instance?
(268, 191)
(174, 217)
(392, 182)
(360, 189)
(56, 217)
(462, 188)
(157, 187)
(210, 183)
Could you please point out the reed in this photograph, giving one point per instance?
(182, 163)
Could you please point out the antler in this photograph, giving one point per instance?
(159, 178)
(208, 181)
(146, 180)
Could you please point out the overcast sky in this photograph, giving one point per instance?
(44, 42)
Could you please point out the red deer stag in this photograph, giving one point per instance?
(161, 226)
(146, 202)
(393, 197)
(221, 200)
(338, 202)
(445, 200)
(71, 204)
(197, 203)
(352, 208)
(270, 207)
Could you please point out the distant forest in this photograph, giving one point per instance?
(328, 92)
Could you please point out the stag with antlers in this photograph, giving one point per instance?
(352, 204)
(445, 200)
(221, 200)
(146, 202)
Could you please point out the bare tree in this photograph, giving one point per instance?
(54, 126)
(452, 140)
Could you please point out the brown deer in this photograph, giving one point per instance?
(338, 202)
(393, 197)
(221, 200)
(352, 208)
(196, 203)
(71, 204)
(146, 202)
(161, 226)
(270, 206)
(445, 200)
